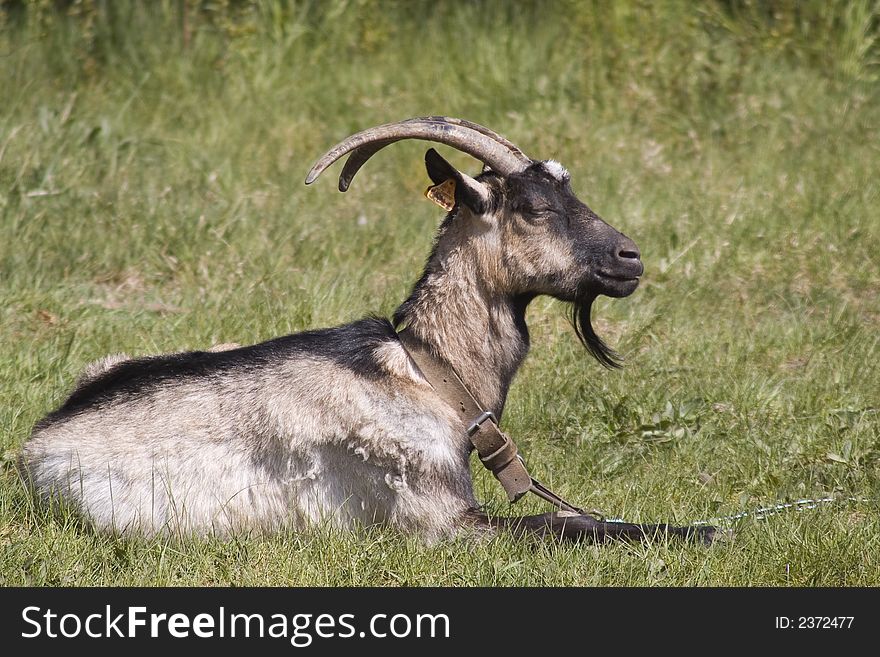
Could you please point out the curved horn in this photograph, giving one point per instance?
(475, 140)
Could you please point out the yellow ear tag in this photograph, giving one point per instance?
(443, 194)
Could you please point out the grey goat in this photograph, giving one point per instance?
(340, 425)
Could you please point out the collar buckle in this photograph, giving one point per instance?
(476, 424)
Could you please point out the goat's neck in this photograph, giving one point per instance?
(482, 334)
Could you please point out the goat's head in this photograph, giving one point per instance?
(523, 213)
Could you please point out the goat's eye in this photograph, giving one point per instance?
(537, 211)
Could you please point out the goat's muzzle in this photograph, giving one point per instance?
(619, 275)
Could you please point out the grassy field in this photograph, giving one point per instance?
(151, 200)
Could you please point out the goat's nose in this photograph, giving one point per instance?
(629, 253)
(627, 250)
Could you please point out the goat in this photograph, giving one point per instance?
(340, 425)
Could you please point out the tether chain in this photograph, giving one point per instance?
(763, 513)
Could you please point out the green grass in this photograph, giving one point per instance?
(151, 200)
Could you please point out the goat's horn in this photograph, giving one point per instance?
(475, 140)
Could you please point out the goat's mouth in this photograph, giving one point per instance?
(617, 284)
(618, 277)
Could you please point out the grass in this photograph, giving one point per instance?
(151, 200)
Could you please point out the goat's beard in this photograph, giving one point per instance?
(580, 319)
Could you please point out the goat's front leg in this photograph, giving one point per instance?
(574, 527)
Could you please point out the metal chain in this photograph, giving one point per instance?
(798, 505)
(763, 512)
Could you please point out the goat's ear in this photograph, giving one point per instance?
(467, 191)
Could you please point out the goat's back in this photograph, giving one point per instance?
(329, 424)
